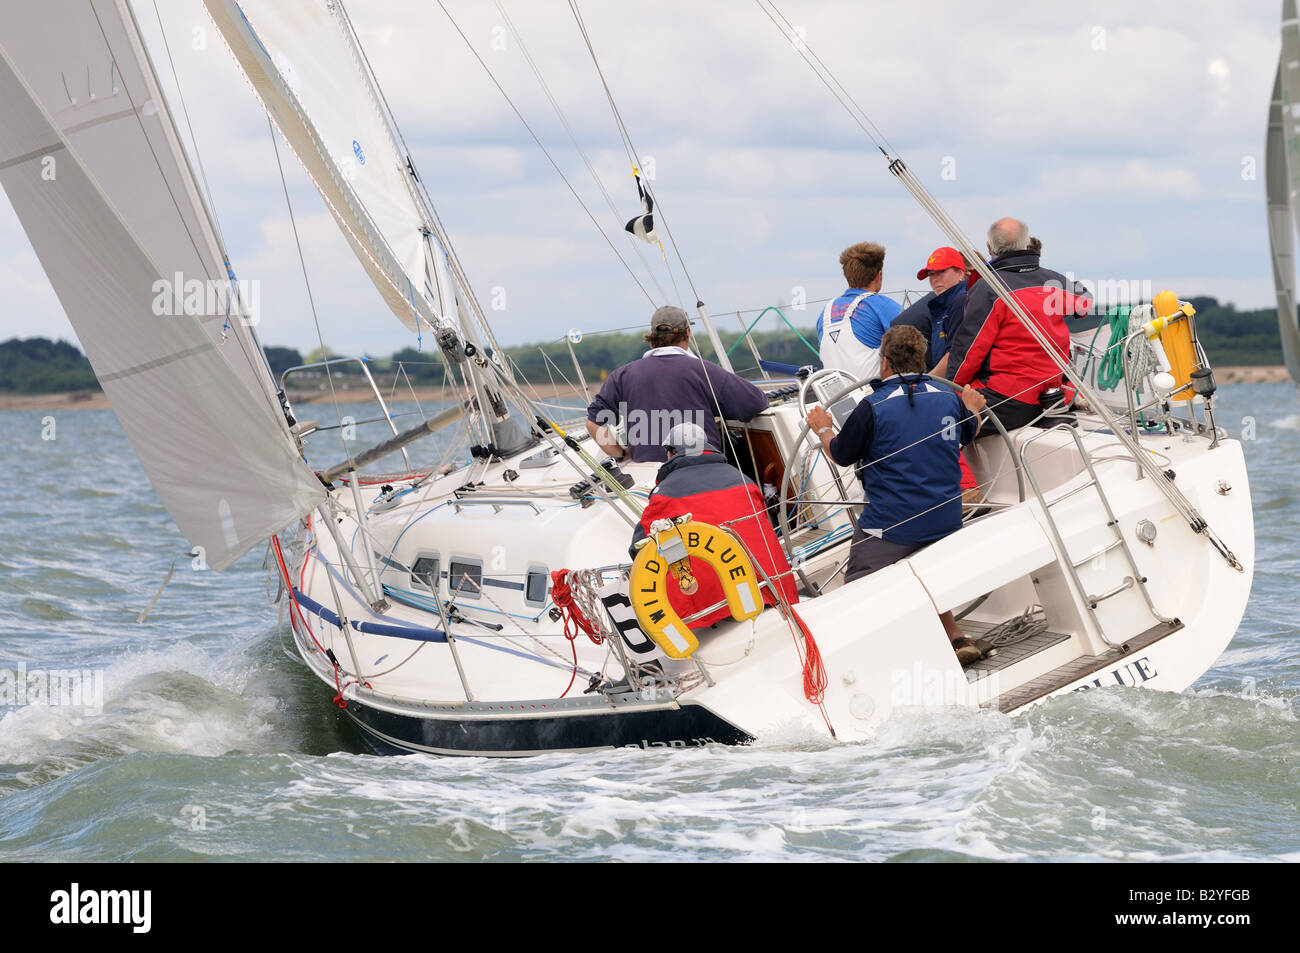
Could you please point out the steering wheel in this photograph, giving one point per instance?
(799, 444)
(807, 383)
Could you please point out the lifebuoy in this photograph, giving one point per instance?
(648, 581)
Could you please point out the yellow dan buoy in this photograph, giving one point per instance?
(1173, 326)
(648, 581)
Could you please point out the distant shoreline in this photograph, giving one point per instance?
(95, 400)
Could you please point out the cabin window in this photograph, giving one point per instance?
(535, 586)
(465, 577)
(424, 573)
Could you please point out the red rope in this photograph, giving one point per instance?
(574, 621)
(574, 677)
(814, 672)
(294, 608)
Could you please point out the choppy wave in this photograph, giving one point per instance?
(214, 745)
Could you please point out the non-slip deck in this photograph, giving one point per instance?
(1080, 667)
(1007, 655)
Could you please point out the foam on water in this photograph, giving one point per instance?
(1288, 422)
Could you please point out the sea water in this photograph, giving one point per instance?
(211, 743)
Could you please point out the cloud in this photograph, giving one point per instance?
(1117, 131)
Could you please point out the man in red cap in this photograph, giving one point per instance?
(937, 315)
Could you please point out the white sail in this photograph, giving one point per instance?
(304, 64)
(93, 77)
(1282, 177)
(219, 459)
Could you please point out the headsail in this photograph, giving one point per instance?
(301, 59)
(1282, 178)
(86, 157)
(93, 78)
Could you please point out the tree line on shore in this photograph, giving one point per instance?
(41, 366)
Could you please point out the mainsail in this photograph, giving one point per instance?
(305, 66)
(1282, 177)
(92, 164)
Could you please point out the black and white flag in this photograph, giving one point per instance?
(643, 226)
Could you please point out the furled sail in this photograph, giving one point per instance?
(1278, 177)
(85, 160)
(304, 64)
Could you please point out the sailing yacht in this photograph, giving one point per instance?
(492, 607)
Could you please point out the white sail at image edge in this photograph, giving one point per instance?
(1282, 178)
(218, 457)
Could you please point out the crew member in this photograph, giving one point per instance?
(667, 386)
(699, 480)
(849, 328)
(907, 436)
(993, 351)
(937, 315)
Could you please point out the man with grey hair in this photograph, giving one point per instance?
(993, 351)
(1007, 235)
(669, 385)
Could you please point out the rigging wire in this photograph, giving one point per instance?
(1184, 506)
(311, 299)
(185, 111)
(444, 239)
(546, 152)
(568, 128)
(879, 137)
(627, 142)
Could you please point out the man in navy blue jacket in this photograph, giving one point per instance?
(668, 386)
(938, 314)
(907, 436)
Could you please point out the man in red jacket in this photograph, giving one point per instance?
(992, 351)
(699, 480)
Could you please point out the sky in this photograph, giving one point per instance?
(1128, 135)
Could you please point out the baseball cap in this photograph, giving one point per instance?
(941, 259)
(687, 438)
(669, 317)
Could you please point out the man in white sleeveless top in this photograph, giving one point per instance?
(849, 328)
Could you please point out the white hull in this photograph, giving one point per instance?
(880, 637)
